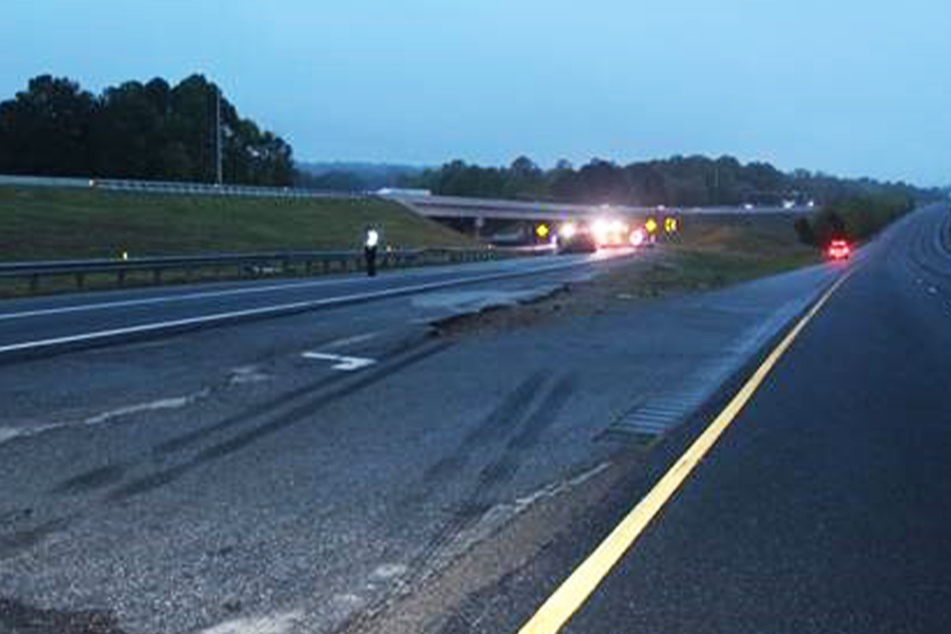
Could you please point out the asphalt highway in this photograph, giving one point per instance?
(51, 324)
(823, 508)
(346, 469)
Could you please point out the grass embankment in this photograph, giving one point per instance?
(709, 252)
(60, 224)
(65, 224)
(714, 251)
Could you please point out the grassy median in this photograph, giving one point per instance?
(56, 224)
(709, 252)
(714, 251)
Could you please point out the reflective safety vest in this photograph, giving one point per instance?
(373, 238)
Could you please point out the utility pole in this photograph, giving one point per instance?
(218, 162)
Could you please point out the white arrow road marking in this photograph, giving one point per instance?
(342, 363)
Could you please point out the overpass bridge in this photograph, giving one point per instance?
(444, 207)
(513, 221)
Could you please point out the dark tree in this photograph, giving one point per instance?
(135, 130)
(46, 129)
(677, 181)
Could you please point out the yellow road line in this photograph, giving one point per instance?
(574, 591)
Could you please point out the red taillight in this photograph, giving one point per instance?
(839, 249)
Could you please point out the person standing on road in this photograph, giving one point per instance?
(371, 243)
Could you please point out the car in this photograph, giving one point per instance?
(575, 238)
(581, 242)
(611, 232)
(839, 250)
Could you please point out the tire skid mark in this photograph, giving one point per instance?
(107, 475)
(19, 617)
(16, 541)
(505, 467)
(93, 479)
(546, 414)
(480, 501)
(293, 416)
(110, 474)
(497, 424)
(185, 440)
(14, 516)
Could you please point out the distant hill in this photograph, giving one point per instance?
(354, 175)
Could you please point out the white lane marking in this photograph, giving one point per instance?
(348, 601)
(9, 433)
(389, 571)
(166, 403)
(145, 328)
(272, 624)
(209, 295)
(247, 374)
(176, 402)
(278, 309)
(342, 363)
(40, 312)
(349, 341)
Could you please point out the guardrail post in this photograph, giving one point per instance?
(120, 277)
(157, 276)
(34, 283)
(80, 280)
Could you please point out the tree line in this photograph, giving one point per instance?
(693, 181)
(853, 218)
(151, 131)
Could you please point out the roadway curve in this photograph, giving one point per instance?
(223, 481)
(822, 508)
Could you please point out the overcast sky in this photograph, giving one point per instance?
(853, 87)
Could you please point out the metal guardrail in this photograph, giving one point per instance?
(170, 187)
(252, 264)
